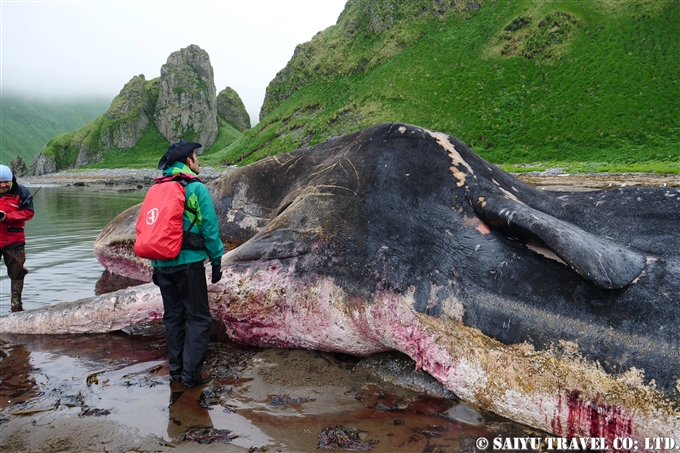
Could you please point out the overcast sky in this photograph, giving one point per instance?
(85, 48)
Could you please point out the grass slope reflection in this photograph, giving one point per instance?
(59, 242)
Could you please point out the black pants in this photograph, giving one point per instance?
(187, 318)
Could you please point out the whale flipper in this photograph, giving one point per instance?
(599, 260)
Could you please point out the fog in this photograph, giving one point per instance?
(56, 49)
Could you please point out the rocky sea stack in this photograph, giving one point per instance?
(231, 108)
(180, 104)
(186, 101)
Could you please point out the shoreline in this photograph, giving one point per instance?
(595, 181)
(141, 177)
(112, 176)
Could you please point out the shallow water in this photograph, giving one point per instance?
(274, 398)
(59, 242)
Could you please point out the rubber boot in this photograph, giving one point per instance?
(17, 288)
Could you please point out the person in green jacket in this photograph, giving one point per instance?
(182, 280)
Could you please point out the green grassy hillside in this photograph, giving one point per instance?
(152, 145)
(589, 86)
(27, 125)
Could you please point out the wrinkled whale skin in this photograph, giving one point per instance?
(557, 310)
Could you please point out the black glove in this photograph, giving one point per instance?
(216, 272)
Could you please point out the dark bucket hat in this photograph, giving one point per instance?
(175, 152)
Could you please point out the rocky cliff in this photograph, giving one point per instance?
(231, 108)
(186, 101)
(181, 104)
(130, 111)
(122, 126)
(42, 164)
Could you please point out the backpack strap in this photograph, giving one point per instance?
(179, 177)
(184, 182)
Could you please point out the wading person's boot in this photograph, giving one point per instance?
(17, 288)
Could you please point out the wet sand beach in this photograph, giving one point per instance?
(112, 392)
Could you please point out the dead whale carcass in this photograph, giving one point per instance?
(556, 310)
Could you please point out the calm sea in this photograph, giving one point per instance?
(59, 242)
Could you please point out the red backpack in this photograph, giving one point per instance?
(159, 225)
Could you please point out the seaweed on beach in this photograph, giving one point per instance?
(345, 437)
(211, 396)
(205, 435)
(280, 400)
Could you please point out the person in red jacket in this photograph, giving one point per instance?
(16, 207)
